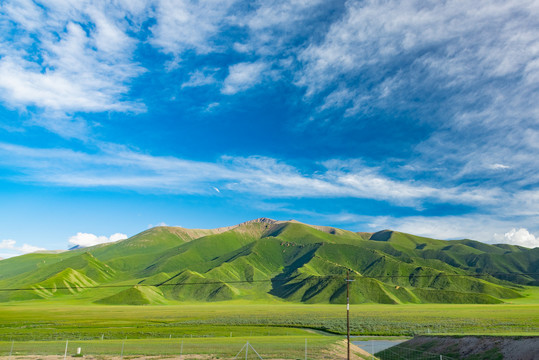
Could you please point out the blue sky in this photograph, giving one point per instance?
(418, 116)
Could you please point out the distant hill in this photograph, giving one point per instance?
(268, 259)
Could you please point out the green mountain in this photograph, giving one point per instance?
(264, 259)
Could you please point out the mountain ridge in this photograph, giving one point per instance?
(278, 260)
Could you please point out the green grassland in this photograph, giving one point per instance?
(291, 347)
(55, 321)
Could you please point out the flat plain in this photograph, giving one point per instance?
(278, 330)
(64, 320)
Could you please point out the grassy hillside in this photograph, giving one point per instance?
(267, 259)
(136, 295)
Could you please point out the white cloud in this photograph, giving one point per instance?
(255, 175)
(117, 237)
(25, 248)
(280, 14)
(188, 25)
(7, 244)
(162, 223)
(200, 78)
(11, 248)
(211, 107)
(276, 27)
(87, 239)
(499, 167)
(66, 57)
(520, 237)
(442, 35)
(243, 76)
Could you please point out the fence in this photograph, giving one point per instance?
(186, 348)
(178, 348)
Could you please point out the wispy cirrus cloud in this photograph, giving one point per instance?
(275, 28)
(413, 43)
(119, 167)
(468, 71)
(200, 77)
(189, 25)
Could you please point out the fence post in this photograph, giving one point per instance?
(305, 348)
(65, 353)
(11, 351)
(181, 350)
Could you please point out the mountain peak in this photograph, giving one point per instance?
(262, 220)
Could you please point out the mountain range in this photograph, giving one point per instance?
(264, 259)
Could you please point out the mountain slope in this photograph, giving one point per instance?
(66, 282)
(286, 260)
(136, 295)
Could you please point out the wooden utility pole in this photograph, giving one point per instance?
(348, 313)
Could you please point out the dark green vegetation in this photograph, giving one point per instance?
(273, 261)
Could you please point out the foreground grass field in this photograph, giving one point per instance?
(277, 347)
(61, 321)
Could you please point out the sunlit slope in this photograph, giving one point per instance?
(499, 260)
(274, 260)
(134, 254)
(136, 295)
(66, 282)
(79, 271)
(15, 266)
(197, 252)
